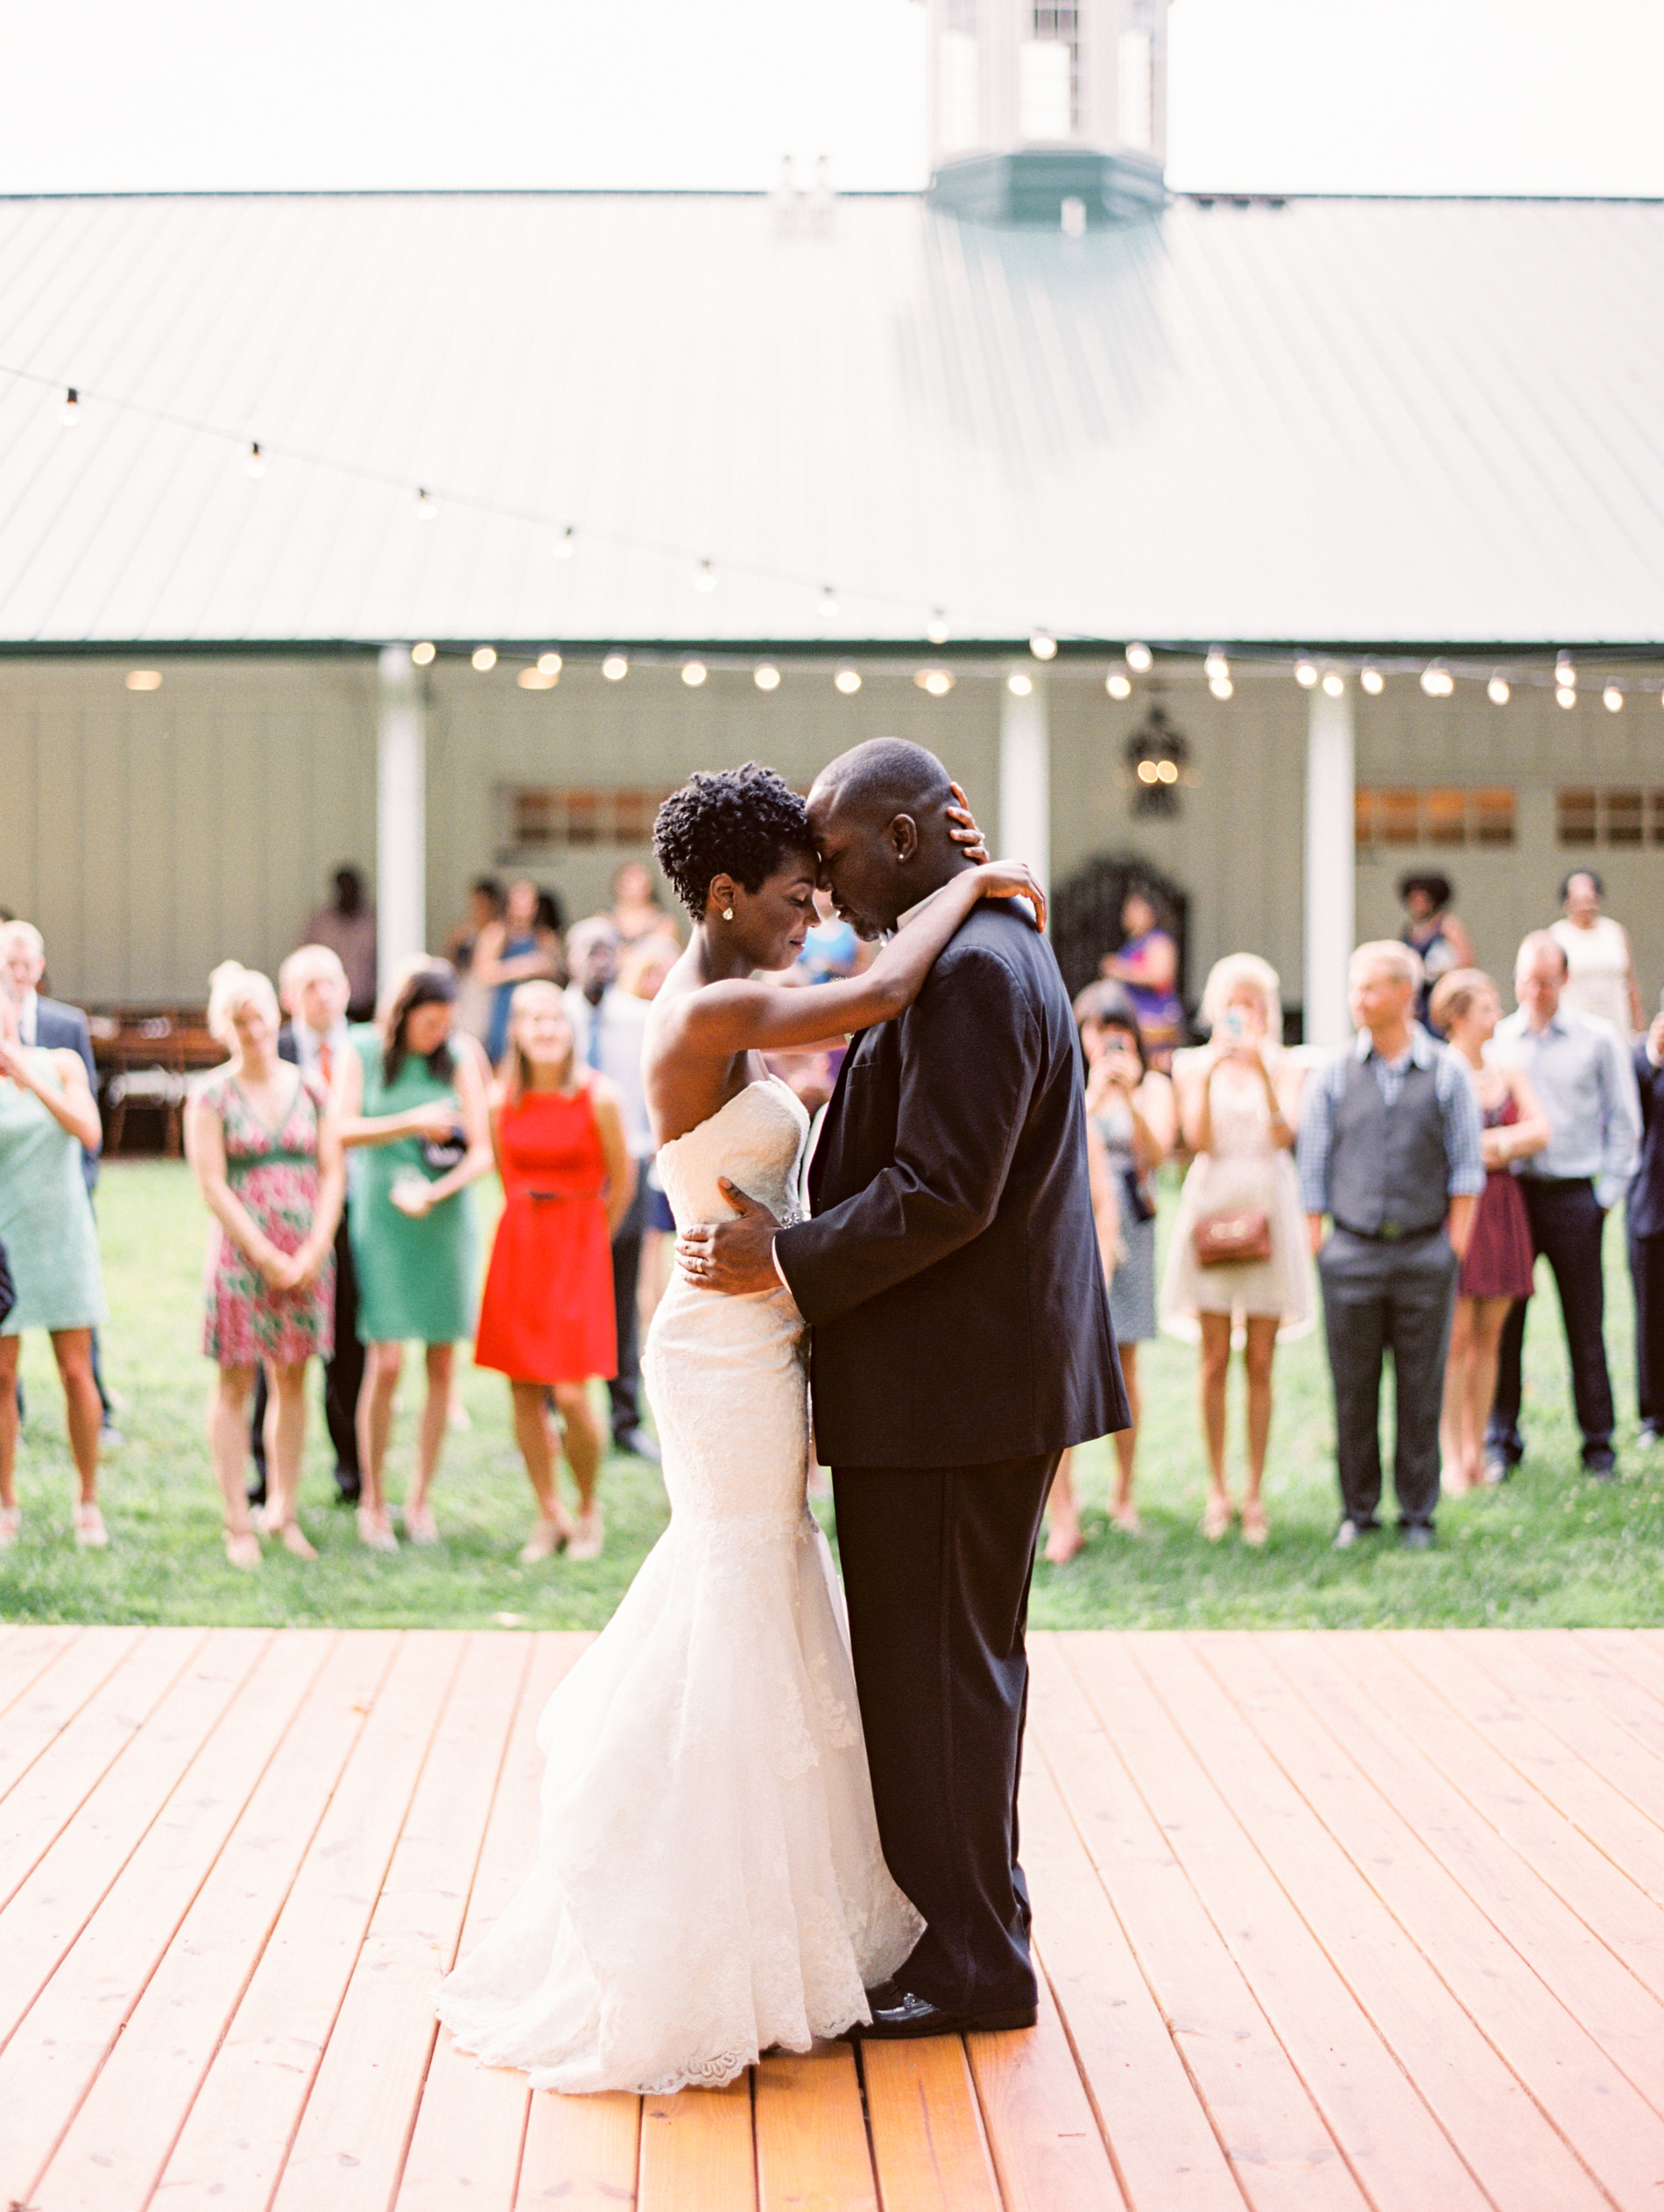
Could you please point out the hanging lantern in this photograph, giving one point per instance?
(1157, 758)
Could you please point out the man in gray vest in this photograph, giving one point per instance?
(1389, 1148)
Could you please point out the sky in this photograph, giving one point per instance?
(1511, 97)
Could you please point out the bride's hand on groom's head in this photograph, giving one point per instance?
(733, 1257)
(962, 827)
(1014, 879)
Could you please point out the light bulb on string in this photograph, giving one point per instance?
(71, 414)
(1437, 681)
(254, 467)
(549, 664)
(484, 657)
(848, 681)
(1497, 690)
(937, 682)
(1043, 645)
(937, 630)
(1372, 679)
(692, 674)
(1139, 658)
(1217, 666)
(766, 676)
(705, 577)
(1565, 672)
(1305, 671)
(1334, 684)
(1221, 687)
(615, 667)
(827, 608)
(1117, 686)
(1613, 699)
(1019, 683)
(426, 505)
(566, 544)
(422, 655)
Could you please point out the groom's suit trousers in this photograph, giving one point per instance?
(936, 1564)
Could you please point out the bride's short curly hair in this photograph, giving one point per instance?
(737, 822)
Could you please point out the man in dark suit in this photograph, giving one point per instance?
(962, 1341)
(312, 987)
(54, 1028)
(1645, 1215)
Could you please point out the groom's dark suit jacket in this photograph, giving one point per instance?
(951, 1267)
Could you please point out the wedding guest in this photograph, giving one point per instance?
(264, 1142)
(1148, 963)
(1600, 968)
(312, 990)
(48, 1119)
(56, 1026)
(1579, 1067)
(608, 1026)
(474, 1000)
(413, 1095)
(641, 975)
(1239, 1264)
(1432, 932)
(1389, 1148)
(635, 913)
(1466, 1007)
(1646, 1220)
(347, 925)
(1131, 1126)
(547, 1317)
(515, 948)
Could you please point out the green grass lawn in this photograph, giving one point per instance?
(1551, 1549)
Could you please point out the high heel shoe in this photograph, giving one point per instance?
(1217, 1516)
(550, 1535)
(90, 1532)
(375, 1529)
(1255, 1526)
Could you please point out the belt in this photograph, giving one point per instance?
(1389, 1231)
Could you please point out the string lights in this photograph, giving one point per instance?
(615, 667)
(693, 672)
(1043, 645)
(704, 577)
(71, 414)
(254, 467)
(766, 676)
(848, 680)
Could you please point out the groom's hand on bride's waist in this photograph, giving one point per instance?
(736, 1257)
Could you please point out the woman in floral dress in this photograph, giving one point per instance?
(267, 1154)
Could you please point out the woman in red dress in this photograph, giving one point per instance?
(1467, 1005)
(547, 1317)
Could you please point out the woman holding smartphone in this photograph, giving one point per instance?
(1238, 1100)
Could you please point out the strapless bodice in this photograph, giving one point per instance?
(756, 1141)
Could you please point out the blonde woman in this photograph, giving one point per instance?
(47, 1115)
(547, 1317)
(1497, 1266)
(1239, 1103)
(266, 1152)
(413, 1094)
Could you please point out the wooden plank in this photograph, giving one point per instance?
(581, 2152)
(1598, 1737)
(1602, 1897)
(811, 2150)
(45, 2070)
(1394, 2147)
(927, 2141)
(119, 2139)
(1281, 2153)
(1632, 1654)
(1606, 2121)
(25, 1653)
(1042, 2133)
(1164, 2148)
(349, 2147)
(1603, 1814)
(466, 2147)
(1520, 2160)
(231, 2149)
(41, 1714)
(1624, 2018)
(46, 1912)
(697, 2153)
(1590, 1676)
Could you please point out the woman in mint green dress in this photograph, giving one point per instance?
(47, 1113)
(413, 1104)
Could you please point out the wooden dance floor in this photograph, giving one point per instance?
(1338, 1921)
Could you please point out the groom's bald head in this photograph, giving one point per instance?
(879, 818)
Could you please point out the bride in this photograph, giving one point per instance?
(710, 1880)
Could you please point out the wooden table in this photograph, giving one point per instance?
(1326, 1921)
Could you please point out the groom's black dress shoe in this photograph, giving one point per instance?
(900, 2013)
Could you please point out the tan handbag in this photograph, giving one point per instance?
(1232, 1237)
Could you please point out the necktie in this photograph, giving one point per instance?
(594, 1054)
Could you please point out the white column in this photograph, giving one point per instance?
(401, 813)
(1330, 920)
(1026, 773)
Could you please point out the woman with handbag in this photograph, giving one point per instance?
(1130, 1125)
(1239, 1260)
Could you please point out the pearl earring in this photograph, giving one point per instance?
(727, 914)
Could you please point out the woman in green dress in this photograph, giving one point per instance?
(412, 1097)
(47, 1113)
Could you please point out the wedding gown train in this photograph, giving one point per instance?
(708, 1880)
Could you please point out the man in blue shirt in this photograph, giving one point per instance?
(1580, 1069)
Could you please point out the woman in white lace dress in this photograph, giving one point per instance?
(710, 1881)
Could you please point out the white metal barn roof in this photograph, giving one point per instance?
(1333, 420)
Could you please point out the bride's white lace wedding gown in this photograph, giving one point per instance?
(708, 1880)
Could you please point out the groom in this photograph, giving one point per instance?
(962, 1341)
